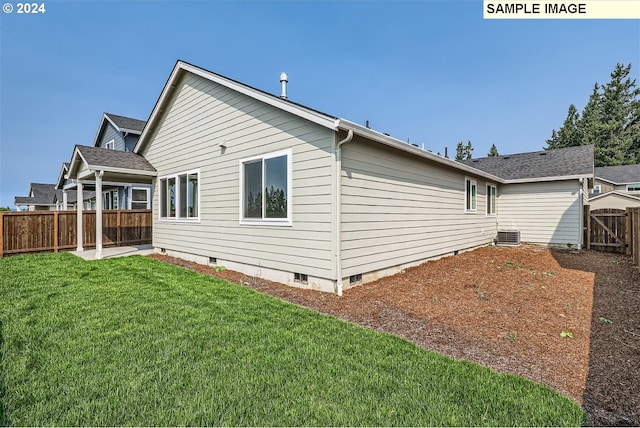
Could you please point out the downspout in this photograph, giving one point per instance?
(338, 236)
(581, 215)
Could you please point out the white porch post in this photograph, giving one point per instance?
(99, 214)
(64, 199)
(79, 217)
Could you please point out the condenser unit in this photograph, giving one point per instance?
(508, 237)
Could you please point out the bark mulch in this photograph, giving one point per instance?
(567, 319)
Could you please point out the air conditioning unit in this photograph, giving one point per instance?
(508, 238)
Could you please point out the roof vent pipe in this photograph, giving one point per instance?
(283, 80)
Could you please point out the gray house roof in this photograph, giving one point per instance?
(99, 158)
(624, 174)
(43, 194)
(567, 162)
(126, 124)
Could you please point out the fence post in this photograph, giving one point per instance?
(629, 236)
(587, 216)
(1, 235)
(118, 223)
(55, 231)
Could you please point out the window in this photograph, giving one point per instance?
(633, 187)
(139, 198)
(471, 195)
(491, 199)
(110, 200)
(597, 189)
(111, 145)
(179, 196)
(265, 183)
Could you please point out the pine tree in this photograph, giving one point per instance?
(610, 121)
(464, 151)
(493, 151)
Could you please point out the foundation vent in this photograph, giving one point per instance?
(508, 238)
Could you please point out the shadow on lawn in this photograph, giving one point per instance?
(612, 393)
(3, 416)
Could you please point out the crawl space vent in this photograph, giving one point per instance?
(508, 237)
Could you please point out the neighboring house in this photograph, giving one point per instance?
(67, 200)
(545, 194)
(42, 197)
(117, 133)
(277, 190)
(616, 187)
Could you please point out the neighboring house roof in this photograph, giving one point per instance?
(618, 175)
(593, 197)
(335, 124)
(125, 125)
(546, 164)
(115, 161)
(39, 194)
(62, 175)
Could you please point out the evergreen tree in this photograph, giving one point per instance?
(493, 151)
(464, 151)
(569, 135)
(610, 121)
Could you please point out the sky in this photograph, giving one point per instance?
(433, 73)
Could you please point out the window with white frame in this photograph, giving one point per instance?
(633, 187)
(179, 196)
(111, 145)
(139, 198)
(491, 199)
(265, 188)
(110, 200)
(471, 195)
(597, 189)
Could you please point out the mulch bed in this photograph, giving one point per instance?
(567, 319)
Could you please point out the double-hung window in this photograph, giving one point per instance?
(491, 199)
(471, 196)
(139, 198)
(180, 196)
(265, 189)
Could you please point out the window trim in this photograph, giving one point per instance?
(495, 202)
(177, 217)
(131, 201)
(597, 189)
(288, 221)
(634, 185)
(474, 201)
(111, 145)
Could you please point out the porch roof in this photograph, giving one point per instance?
(116, 165)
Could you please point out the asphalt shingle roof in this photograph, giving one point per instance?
(623, 174)
(128, 123)
(569, 161)
(43, 194)
(97, 156)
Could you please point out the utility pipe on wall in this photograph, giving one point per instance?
(338, 237)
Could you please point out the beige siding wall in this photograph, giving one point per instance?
(203, 114)
(546, 212)
(613, 201)
(604, 186)
(397, 209)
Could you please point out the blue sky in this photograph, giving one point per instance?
(433, 72)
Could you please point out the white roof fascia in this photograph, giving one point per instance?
(401, 145)
(608, 181)
(117, 170)
(614, 192)
(556, 178)
(62, 175)
(104, 117)
(272, 100)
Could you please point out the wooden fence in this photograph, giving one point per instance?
(633, 220)
(614, 231)
(39, 231)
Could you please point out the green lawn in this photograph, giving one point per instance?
(133, 341)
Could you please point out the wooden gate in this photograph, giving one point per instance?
(606, 230)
